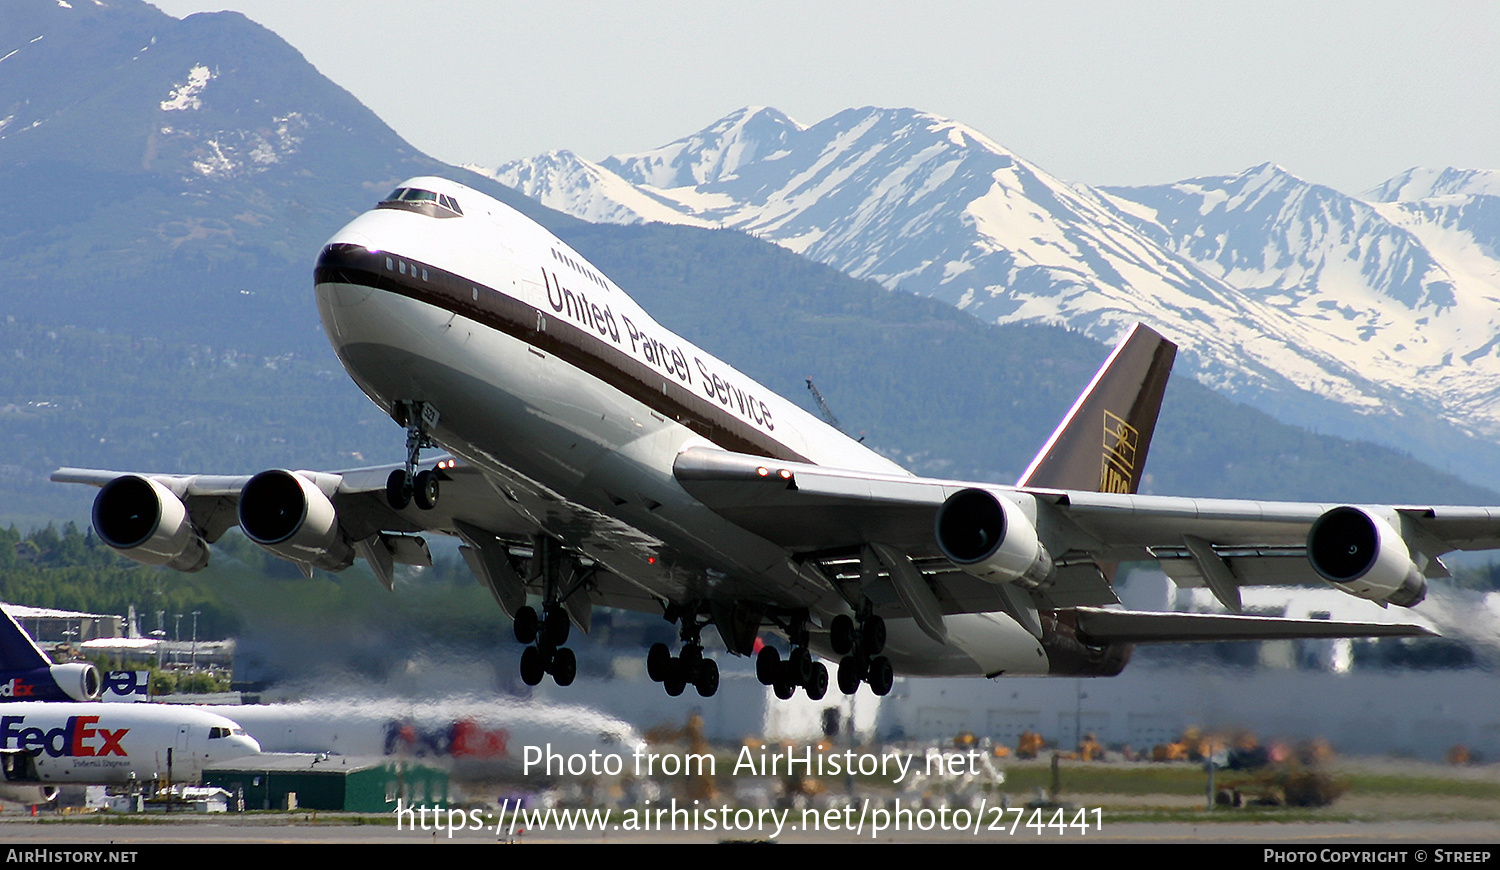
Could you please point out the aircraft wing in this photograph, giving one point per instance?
(357, 494)
(828, 515)
(496, 523)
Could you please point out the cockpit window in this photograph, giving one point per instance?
(430, 203)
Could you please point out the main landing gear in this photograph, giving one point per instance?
(546, 633)
(860, 645)
(406, 485)
(799, 669)
(688, 667)
(548, 656)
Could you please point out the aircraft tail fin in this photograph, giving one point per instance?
(1100, 446)
(17, 650)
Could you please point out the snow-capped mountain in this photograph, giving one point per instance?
(1373, 316)
(1392, 297)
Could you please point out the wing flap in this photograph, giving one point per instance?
(808, 507)
(1102, 626)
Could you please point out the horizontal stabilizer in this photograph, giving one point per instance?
(1134, 626)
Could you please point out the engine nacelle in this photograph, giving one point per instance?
(289, 516)
(991, 538)
(147, 522)
(79, 680)
(29, 795)
(1360, 553)
(76, 681)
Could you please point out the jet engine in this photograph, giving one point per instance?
(991, 538)
(146, 522)
(1362, 554)
(80, 681)
(291, 517)
(29, 795)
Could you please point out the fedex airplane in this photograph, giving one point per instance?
(475, 741)
(59, 743)
(593, 458)
(47, 738)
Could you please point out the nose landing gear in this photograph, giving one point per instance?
(406, 485)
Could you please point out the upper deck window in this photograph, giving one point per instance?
(430, 203)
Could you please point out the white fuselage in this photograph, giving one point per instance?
(576, 403)
(474, 741)
(120, 744)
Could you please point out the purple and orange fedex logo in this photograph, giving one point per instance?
(76, 738)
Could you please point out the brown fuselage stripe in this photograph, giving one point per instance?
(580, 348)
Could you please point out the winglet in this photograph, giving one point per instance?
(1100, 446)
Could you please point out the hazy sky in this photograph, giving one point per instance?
(1342, 93)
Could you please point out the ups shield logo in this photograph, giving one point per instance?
(1117, 469)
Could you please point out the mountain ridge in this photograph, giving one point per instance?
(1324, 309)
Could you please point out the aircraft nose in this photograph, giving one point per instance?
(245, 745)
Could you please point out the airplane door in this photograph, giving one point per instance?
(183, 762)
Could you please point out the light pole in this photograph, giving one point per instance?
(194, 659)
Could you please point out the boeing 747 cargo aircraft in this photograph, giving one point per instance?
(593, 458)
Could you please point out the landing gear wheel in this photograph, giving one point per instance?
(882, 676)
(525, 625)
(397, 491)
(424, 489)
(532, 666)
(557, 626)
(817, 684)
(675, 684)
(564, 667)
(784, 690)
(851, 674)
(872, 638)
(692, 657)
(707, 681)
(841, 635)
(800, 663)
(766, 665)
(658, 660)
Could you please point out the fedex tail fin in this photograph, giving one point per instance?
(1100, 446)
(27, 674)
(18, 652)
